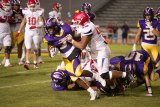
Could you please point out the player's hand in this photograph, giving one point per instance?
(17, 35)
(69, 38)
(32, 27)
(134, 47)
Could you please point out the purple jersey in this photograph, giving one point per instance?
(147, 36)
(59, 41)
(139, 62)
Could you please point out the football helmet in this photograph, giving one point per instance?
(86, 6)
(37, 3)
(158, 13)
(80, 18)
(148, 11)
(6, 5)
(52, 27)
(59, 77)
(57, 6)
(31, 5)
(15, 2)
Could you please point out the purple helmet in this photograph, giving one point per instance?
(86, 6)
(158, 11)
(52, 26)
(148, 11)
(15, 2)
(60, 77)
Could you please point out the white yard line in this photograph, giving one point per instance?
(11, 86)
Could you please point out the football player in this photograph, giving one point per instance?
(56, 12)
(18, 16)
(100, 51)
(86, 7)
(158, 17)
(60, 80)
(41, 30)
(57, 36)
(32, 21)
(5, 37)
(139, 63)
(148, 34)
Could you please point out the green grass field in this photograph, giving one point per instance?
(21, 88)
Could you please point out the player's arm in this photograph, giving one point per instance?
(156, 32)
(83, 43)
(137, 38)
(23, 23)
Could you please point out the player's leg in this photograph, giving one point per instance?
(20, 49)
(28, 43)
(75, 71)
(8, 48)
(36, 41)
(155, 55)
(41, 38)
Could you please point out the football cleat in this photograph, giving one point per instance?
(149, 95)
(26, 66)
(8, 65)
(94, 95)
(35, 66)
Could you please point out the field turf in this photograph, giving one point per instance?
(21, 88)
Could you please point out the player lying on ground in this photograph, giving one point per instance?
(139, 63)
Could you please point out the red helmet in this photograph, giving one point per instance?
(56, 6)
(80, 18)
(37, 3)
(6, 5)
(31, 3)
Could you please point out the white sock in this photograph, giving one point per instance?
(7, 62)
(124, 74)
(90, 90)
(110, 75)
(35, 62)
(23, 55)
(27, 62)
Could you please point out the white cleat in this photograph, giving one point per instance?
(8, 65)
(20, 63)
(94, 95)
(35, 66)
(150, 95)
(100, 79)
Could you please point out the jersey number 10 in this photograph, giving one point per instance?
(31, 20)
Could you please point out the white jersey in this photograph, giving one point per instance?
(97, 41)
(31, 18)
(55, 14)
(5, 27)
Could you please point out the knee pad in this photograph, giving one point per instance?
(8, 49)
(105, 75)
